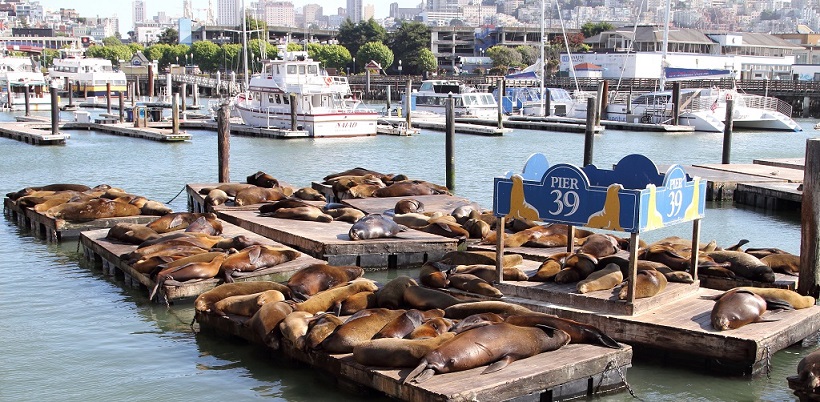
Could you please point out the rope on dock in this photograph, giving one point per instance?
(768, 362)
(609, 366)
(175, 197)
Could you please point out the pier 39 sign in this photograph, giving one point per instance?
(632, 197)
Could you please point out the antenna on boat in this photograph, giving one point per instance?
(665, 44)
(543, 64)
(245, 42)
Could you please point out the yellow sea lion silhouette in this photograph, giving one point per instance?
(655, 219)
(610, 216)
(692, 210)
(519, 207)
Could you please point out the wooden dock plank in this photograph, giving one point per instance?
(330, 241)
(527, 376)
(791, 163)
(196, 200)
(432, 203)
(128, 130)
(32, 133)
(772, 172)
(96, 242)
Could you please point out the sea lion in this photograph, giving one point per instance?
(796, 300)
(480, 257)
(131, 233)
(462, 310)
(402, 325)
(246, 305)
(231, 189)
(464, 213)
(808, 373)
(319, 328)
(477, 228)
(318, 277)
(605, 279)
(413, 220)
(326, 299)
(577, 266)
(267, 319)
(294, 328)
(205, 301)
(306, 213)
(599, 245)
(354, 332)
(345, 214)
(490, 274)
(177, 220)
(151, 207)
(391, 295)
(262, 179)
(431, 328)
(148, 264)
(676, 276)
(648, 283)
(497, 345)
(473, 284)
(269, 208)
(391, 352)
(744, 264)
(578, 332)
(358, 302)
(216, 197)
(788, 264)
(408, 205)
(194, 270)
(549, 268)
(357, 171)
(424, 298)
(737, 308)
(309, 194)
(432, 275)
(203, 225)
(97, 208)
(475, 321)
(48, 187)
(763, 252)
(445, 229)
(258, 257)
(406, 188)
(258, 195)
(374, 226)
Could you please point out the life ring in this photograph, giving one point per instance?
(328, 81)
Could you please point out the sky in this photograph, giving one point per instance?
(122, 8)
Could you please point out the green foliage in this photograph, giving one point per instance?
(407, 43)
(353, 36)
(426, 61)
(334, 56)
(256, 28)
(294, 47)
(375, 51)
(169, 36)
(504, 56)
(591, 29)
(231, 54)
(111, 41)
(166, 54)
(115, 53)
(136, 46)
(529, 54)
(207, 55)
(49, 55)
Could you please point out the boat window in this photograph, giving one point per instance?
(313, 70)
(301, 70)
(488, 99)
(285, 100)
(291, 69)
(271, 98)
(459, 102)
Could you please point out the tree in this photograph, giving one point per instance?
(591, 29)
(111, 41)
(377, 52)
(294, 47)
(504, 56)
(230, 56)
(426, 61)
(407, 42)
(331, 56)
(169, 36)
(353, 36)
(49, 55)
(529, 54)
(115, 53)
(256, 28)
(135, 47)
(207, 55)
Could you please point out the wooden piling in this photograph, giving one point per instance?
(675, 102)
(293, 125)
(499, 248)
(589, 133)
(195, 94)
(388, 100)
(500, 85)
(175, 114)
(122, 107)
(223, 139)
(603, 100)
(183, 101)
(547, 102)
(727, 131)
(150, 81)
(27, 101)
(108, 97)
(449, 144)
(70, 93)
(809, 278)
(599, 94)
(55, 110)
(407, 93)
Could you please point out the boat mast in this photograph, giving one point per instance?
(665, 44)
(543, 67)
(245, 43)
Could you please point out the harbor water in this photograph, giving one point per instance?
(69, 333)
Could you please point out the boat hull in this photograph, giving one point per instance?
(317, 125)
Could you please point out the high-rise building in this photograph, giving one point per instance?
(277, 13)
(312, 12)
(138, 11)
(229, 12)
(369, 12)
(354, 10)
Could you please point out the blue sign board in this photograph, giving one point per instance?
(632, 197)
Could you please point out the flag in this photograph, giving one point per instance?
(714, 106)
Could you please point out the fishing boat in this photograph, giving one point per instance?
(432, 97)
(325, 105)
(88, 76)
(17, 73)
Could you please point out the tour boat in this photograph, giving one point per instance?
(15, 74)
(432, 97)
(325, 105)
(88, 76)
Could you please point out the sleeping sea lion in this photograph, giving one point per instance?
(329, 298)
(246, 305)
(267, 319)
(194, 270)
(345, 214)
(258, 257)
(391, 352)
(262, 179)
(605, 279)
(408, 205)
(737, 308)
(473, 284)
(354, 332)
(132, 233)
(578, 332)
(258, 195)
(391, 295)
(424, 298)
(745, 265)
(318, 277)
(462, 310)
(374, 226)
(648, 283)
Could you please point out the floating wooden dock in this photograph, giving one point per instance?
(128, 130)
(54, 230)
(575, 370)
(196, 201)
(470, 126)
(97, 248)
(330, 241)
(767, 185)
(244, 130)
(443, 203)
(32, 133)
(533, 124)
(612, 124)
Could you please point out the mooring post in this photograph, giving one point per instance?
(727, 131)
(589, 132)
(223, 139)
(695, 240)
(8, 95)
(182, 89)
(675, 102)
(499, 83)
(499, 248)
(131, 91)
(599, 94)
(604, 101)
(195, 93)
(629, 103)
(122, 107)
(108, 97)
(55, 109)
(175, 114)
(547, 102)
(27, 101)
(633, 267)
(389, 90)
(449, 143)
(407, 92)
(70, 93)
(292, 97)
(809, 278)
(150, 82)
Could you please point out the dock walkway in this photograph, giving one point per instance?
(32, 133)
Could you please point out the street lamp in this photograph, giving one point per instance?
(399, 68)
(354, 65)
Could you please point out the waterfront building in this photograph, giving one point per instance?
(354, 10)
(229, 12)
(277, 13)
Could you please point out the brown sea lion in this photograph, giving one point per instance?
(258, 257)
(490, 274)
(676, 276)
(267, 319)
(345, 214)
(177, 221)
(796, 300)
(391, 352)
(424, 298)
(262, 179)
(401, 326)
(407, 188)
(473, 284)
(744, 264)
(477, 228)
(408, 205)
(131, 233)
(318, 277)
(357, 171)
(497, 345)
(462, 310)
(231, 189)
(765, 251)
(432, 275)
(246, 305)
(354, 332)
(319, 328)
(413, 220)
(309, 194)
(431, 328)
(194, 270)
(808, 373)
(307, 213)
(203, 225)
(374, 226)
(788, 264)
(48, 187)
(605, 279)
(258, 195)
(269, 208)
(97, 208)
(444, 228)
(480, 257)
(206, 300)
(201, 257)
(737, 308)
(391, 295)
(475, 321)
(329, 298)
(576, 267)
(599, 245)
(148, 264)
(578, 332)
(358, 302)
(648, 283)
(151, 207)
(549, 268)
(465, 213)
(216, 197)
(294, 328)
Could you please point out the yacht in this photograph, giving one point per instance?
(88, 76)
(432, 95)
(15, 74)
(528, 101)
(325, 105)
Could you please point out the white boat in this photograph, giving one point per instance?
(432, 97)
(528, 101)
(88, 76)
(325, 106)
(15, 74)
